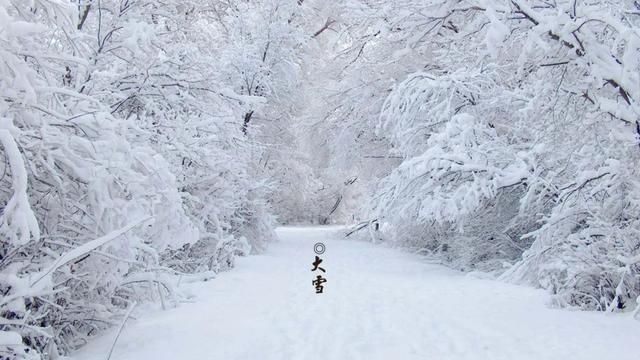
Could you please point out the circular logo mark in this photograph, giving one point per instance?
(319, 248)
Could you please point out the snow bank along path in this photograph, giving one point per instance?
(378, 303)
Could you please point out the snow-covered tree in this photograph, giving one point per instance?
(545, 160)
(125, 163)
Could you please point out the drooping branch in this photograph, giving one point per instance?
(580, 51)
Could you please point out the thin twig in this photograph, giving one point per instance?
(126, 317)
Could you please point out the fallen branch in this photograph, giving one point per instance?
(361, 226)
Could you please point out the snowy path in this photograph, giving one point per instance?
(378, 303)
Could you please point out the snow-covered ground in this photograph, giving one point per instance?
(378, 303)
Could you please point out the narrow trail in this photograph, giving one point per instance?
(378, 303)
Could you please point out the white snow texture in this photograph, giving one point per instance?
(147, 147)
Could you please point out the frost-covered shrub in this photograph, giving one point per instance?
(586, 250)
(71, 177)
(464, 191)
